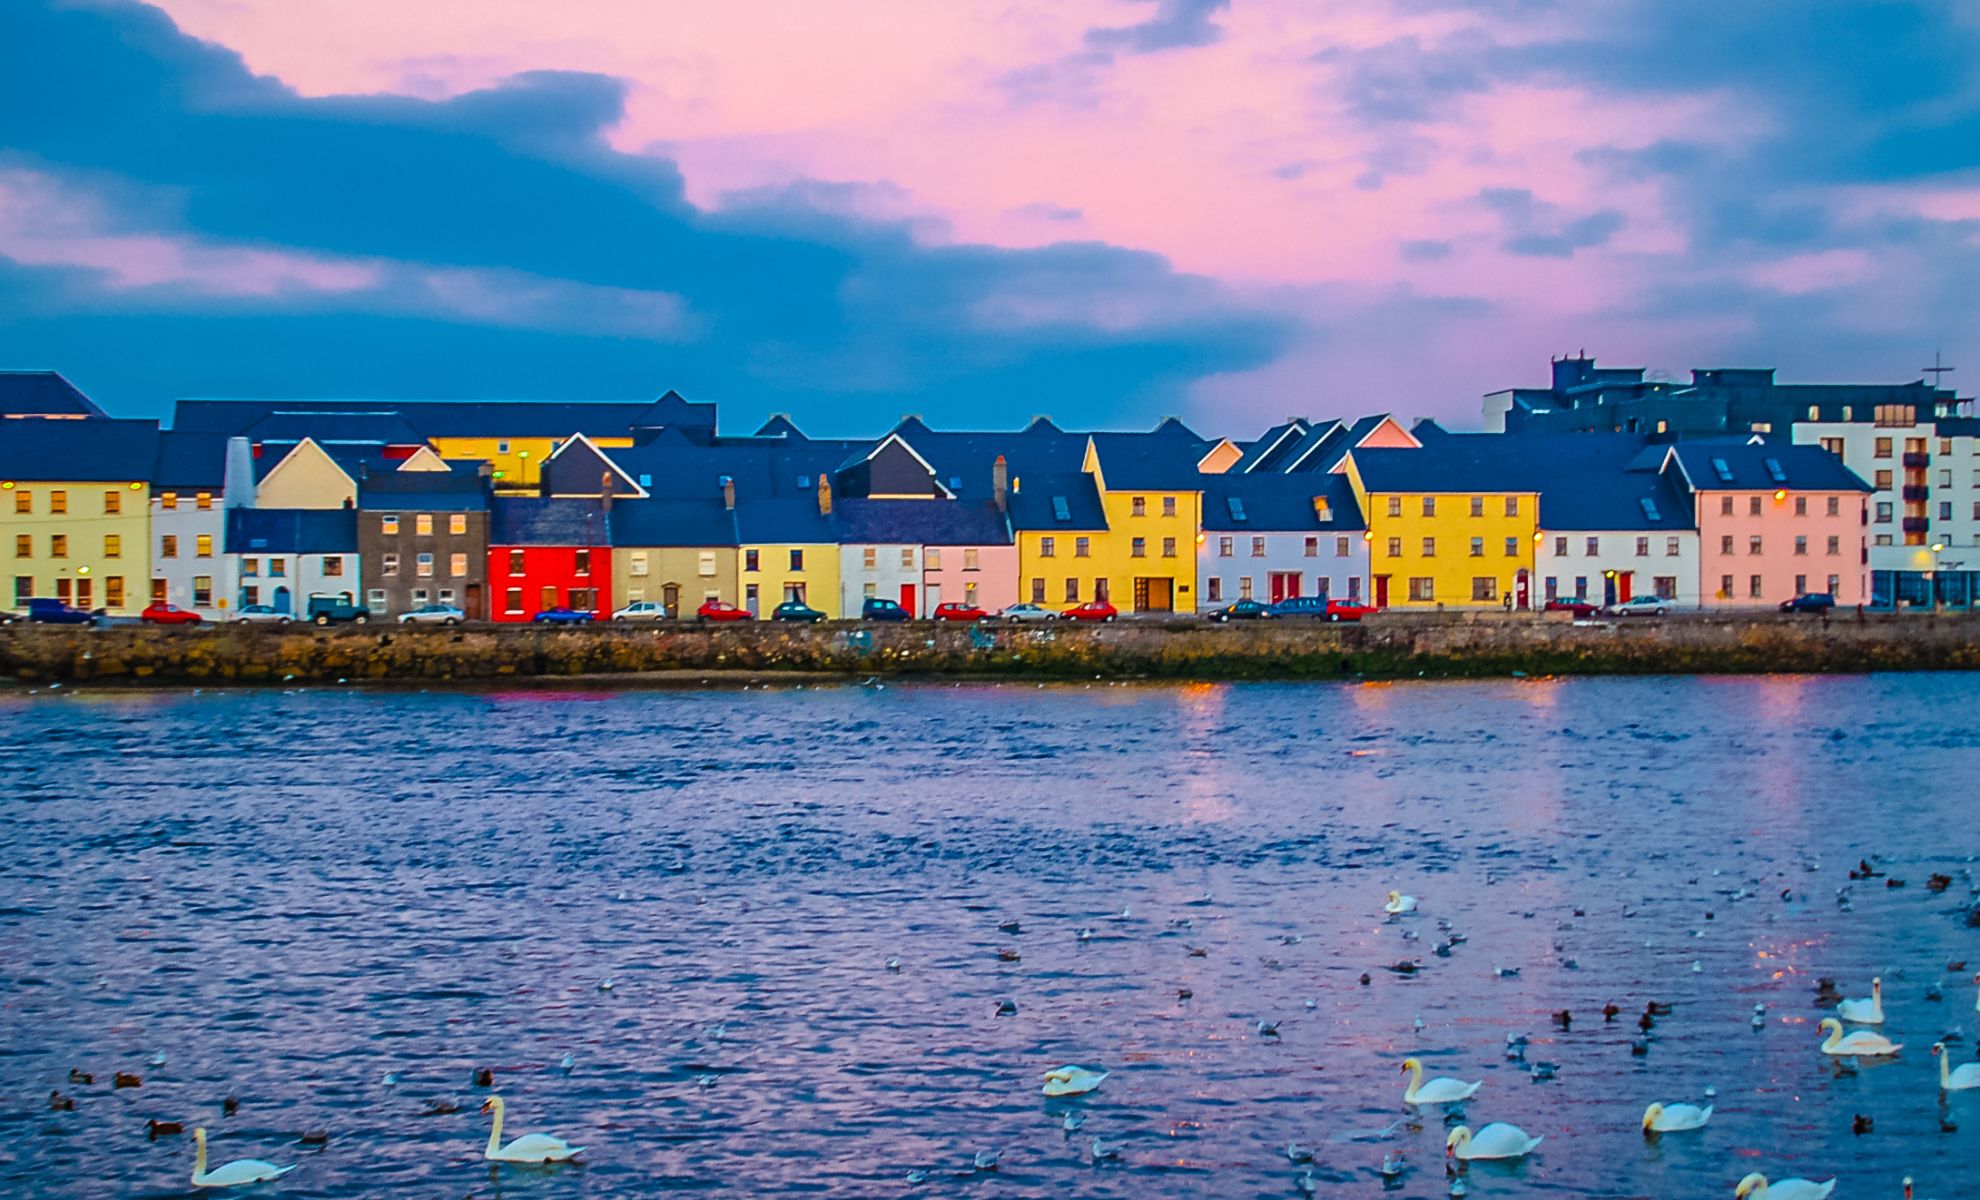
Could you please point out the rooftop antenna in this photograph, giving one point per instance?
(1937, 370)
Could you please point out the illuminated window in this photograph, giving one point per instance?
(113, 545)
(388, 524)
(457, 523)
(113, 503)
(168, 546)
(204, 501)
(423, 524)
(58, 502)
(23, 501)
(457, 565)
(58, 545)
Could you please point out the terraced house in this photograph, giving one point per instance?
(1451, 523)
(1278, 537)
(423, 539)
(75, 499)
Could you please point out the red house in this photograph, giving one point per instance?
(548, 553)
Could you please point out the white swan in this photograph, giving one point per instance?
(1072, 1081)
(1865, 1012)
(1874, 1045)
(239, 1173)
(1437, 1091)
(1967, 1077)
(1399, 903)
(1675, 1118)
(1756, 1187)
(1497, 1140)
(529, 1148)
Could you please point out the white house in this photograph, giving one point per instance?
(189, 565)
(1613, 525)
(1272, 537)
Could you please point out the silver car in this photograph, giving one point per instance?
(1027, 612)
(261, 614)
(641, 610)
(433, 614)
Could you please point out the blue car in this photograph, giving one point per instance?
(564, 616)
(876, 609)
(1314, 607)
(54, 612)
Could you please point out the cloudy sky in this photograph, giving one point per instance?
(1102, 210)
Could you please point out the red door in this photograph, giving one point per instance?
(1623, 581)
(1285, 585)
(1381, 591)
(907, 599)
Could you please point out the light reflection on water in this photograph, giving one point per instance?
(294, 894)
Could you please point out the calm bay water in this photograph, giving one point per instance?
(293, 896)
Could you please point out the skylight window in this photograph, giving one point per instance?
(1725, 472)
(1061, 511)
(1650, 509)
(1237, 508)
(1774, 471)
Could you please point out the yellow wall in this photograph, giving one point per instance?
(1063, 564)
(518, 468)
(679, 565)
(1114, 551)
(87, 560)
(305, 478)
(1452, 567)
(820, 576)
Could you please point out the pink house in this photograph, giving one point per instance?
(1774, 521)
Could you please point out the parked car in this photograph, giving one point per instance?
(1640, 606)
(1809, 602)
(42, 611)
(796, 610)
(1581, 608)
(955, 611)
(1301, 606)
(1027, 612)
(561, 615)
(722, 610)
(432, 614)
(642, 610)
(1349, 610)
(1240, 610)
(160, 613)
(260, 614)
(876, 609)
(333, 610)
(1092, 610)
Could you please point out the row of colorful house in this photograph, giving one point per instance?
(507, 509)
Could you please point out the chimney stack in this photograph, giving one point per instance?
(824, 495)
(237, 487)
(1000, 482)
(728, 493)
(605, 492)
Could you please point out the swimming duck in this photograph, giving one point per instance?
(1441, 1090)
(155, 1129)
(1874, 1045)
(1755, 1187)
(529, 1148)
(1497, 1140)
(1072, 1081)
(1868, 1011)
(60, 1103)
(239, 1173)
(1964, 1079)
(1675, 1118)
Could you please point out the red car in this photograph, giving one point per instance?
(167, 614)
(959, 612)
(722, 610)
(1349, 610)
(1570, 604)
(1092, 610)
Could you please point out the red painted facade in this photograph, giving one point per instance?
(525, 580)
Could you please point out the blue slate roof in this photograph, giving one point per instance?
(466, 418)
(767, 521)
(1037, 506)
(187, 461)
(374, 428)
(42, 394)
(534, 521)
(80, 450)
(1165, 460)
(920, 522)
(1763, 467)
(1272, 445)
(423, 491)
(771, 468)
(354, 459)
(291, 531)
(1598, 481)
(1267, 502)
(1472, 462)
(673, 523)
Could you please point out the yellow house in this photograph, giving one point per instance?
(1152, 500)
(1450, 525)
(787, 550)
(679, 553)
(75, 511)
(1057, 520)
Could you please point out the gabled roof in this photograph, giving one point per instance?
(578, 447)
(1759, 466)
(423, 491)
(920, 522)
(1266, 503)
(42, 394)
(1261, 454)
(324, 428)
(1593, 481)
(779, 425)
(1162, 461)
(1067, 503)
(673, 523)
(187, 461)
(1461, 462)
(103, 449)
(534, 521)
(353, 459)
(291, 531)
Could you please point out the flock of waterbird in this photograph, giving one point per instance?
(1497, 1140)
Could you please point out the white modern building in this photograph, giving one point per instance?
(1925, 499)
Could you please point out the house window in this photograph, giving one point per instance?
(1594, 547)
(1081, 547)
(1213, 589)
(1666, 587)
(870, 590)
(1258, 547)
(278, 567)
(705, 563)
(114, 504)
(501, 447)
(333, 566)
(1883, 481)
(1835, 505)
(1395, 547)
(388, 564)
(1047, 547)
(457, 523)
(1395, 506)
(1168, 506)
(113, 546)
(202, 591)
(1882, 539)
(58, 545)
(516, 562)
(1835, 545)
(1038, 591)
(58, 501)
(1225, 547)
(1168, 547)
(512, 600)
(1512, 547)
(1945, 510)
(1553, 591)
(1422, 588)
(1883, 512)
(24, 501)
(204, 501)
(1560, 547)
(250, 567)
(1800, 584)
(447, 596)
(1581, 587)
(931, 559)
(1643, 547)
(1725, 587)
(637, 562)
(1429, 547)
(168, 500)
(580, 561)
(1138, 548)
(456, 565)
(249, 595)
(750, 562)
(546, 598)
(1801, 545)
(1670, 547)
(869, 557)
(1484, 588)
(1072, 591)
(1753, 506)
(1354, 587)
(1478, 506)
(1835, 584)
(1244, 587)
(1313, 547)
(972, 561)
(1833, 445)
(1725, 506)
(1512, 506)
(1883, 448)
(1753, 544)
(794, 590)
(423, 524)
(797, 560)
(1340, 547)
(1323, 511)
(388, 524)
(23, 545)
(1478, 547)
(1725, 543)
(1429, 506)
(1801, 506)
(1754, 589)
(1138, 506)
(907, 558)
(419, 597)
